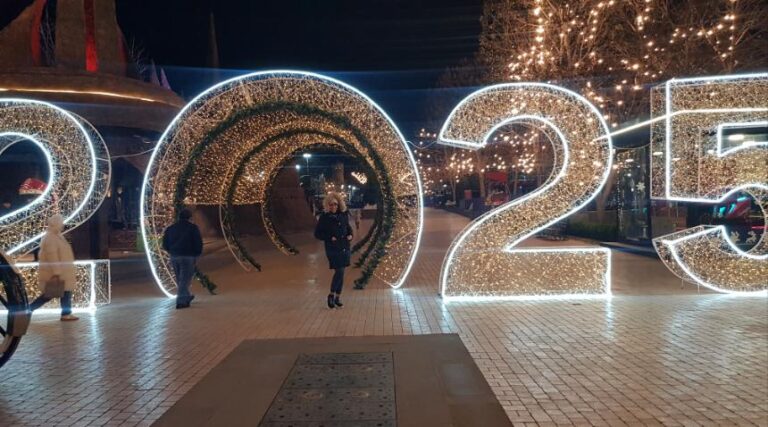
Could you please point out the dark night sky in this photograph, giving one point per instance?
(392, 50)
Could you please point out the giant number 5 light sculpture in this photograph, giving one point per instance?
(80, 170)
(694, 161)
(483, 261)
(198, 154)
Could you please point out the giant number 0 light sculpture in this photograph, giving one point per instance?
(693, 163)
(483, 261)
(80, 171)
(197, 155)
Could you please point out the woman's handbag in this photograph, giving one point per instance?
(54, 288)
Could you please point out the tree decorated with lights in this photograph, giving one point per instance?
(521, 152)
(431, 162)
(611, 51)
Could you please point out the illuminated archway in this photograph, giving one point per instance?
(197, 157)
(256, 173)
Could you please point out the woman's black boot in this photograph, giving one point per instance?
(337, 301)
(331, 303)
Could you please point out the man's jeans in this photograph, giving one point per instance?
(184, 270)
(66, 303)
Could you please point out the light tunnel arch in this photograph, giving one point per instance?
(279, 100)
(255, 174)
(266, 124)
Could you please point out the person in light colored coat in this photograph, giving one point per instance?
(56, 262)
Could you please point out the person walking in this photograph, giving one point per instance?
(182, 240)
(333, 228)
(57, 264)
(356, 216)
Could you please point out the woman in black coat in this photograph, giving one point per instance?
(333, 228)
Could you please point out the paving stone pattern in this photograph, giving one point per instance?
(657, 353)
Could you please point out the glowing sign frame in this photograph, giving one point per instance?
(463, 143)
(98, 175)
(672, 241)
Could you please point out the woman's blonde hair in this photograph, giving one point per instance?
(334, 197)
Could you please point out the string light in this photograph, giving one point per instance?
(484, 260)
(223, 103)
(692, 163)
(79, 174)
(93, 287)
(610, 50)
(360, 177)
(78, 163)
(262, 170)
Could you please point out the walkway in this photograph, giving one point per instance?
(655, 354)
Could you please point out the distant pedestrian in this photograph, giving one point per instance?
(57, 267)
(333, 228)
(182, 240)
(356, 216)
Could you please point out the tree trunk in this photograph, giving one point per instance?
(515, 183)
(481, 174)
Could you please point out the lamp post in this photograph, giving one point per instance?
(307, 156)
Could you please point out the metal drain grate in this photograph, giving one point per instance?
(336, 389)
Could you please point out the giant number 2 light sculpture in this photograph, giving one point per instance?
(485, 261)
(79, 170)
(694, 161)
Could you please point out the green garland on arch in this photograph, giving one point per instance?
(229, 219)
(378, 249)
(376, 221)
(375, 228)
(374, 233)
(266, 211)
(205, 281)
(266, 214)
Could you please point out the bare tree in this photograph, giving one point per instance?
(612, 51)
(139, 62)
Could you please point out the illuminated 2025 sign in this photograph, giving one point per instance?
(698, 163)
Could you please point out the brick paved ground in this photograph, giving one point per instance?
(654, 354)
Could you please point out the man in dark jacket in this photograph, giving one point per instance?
(183, 241)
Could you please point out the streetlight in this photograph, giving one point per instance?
(298, 167)
(307, 156)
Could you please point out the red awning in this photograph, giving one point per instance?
(32, 187)
(496, 176)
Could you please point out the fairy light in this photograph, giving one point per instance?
(692, 163)
(221, 157)
(484, 261)
(269, 163)
(611, 50)
(79, 169)
(78, 163)
(93, 287)
(360, 177)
